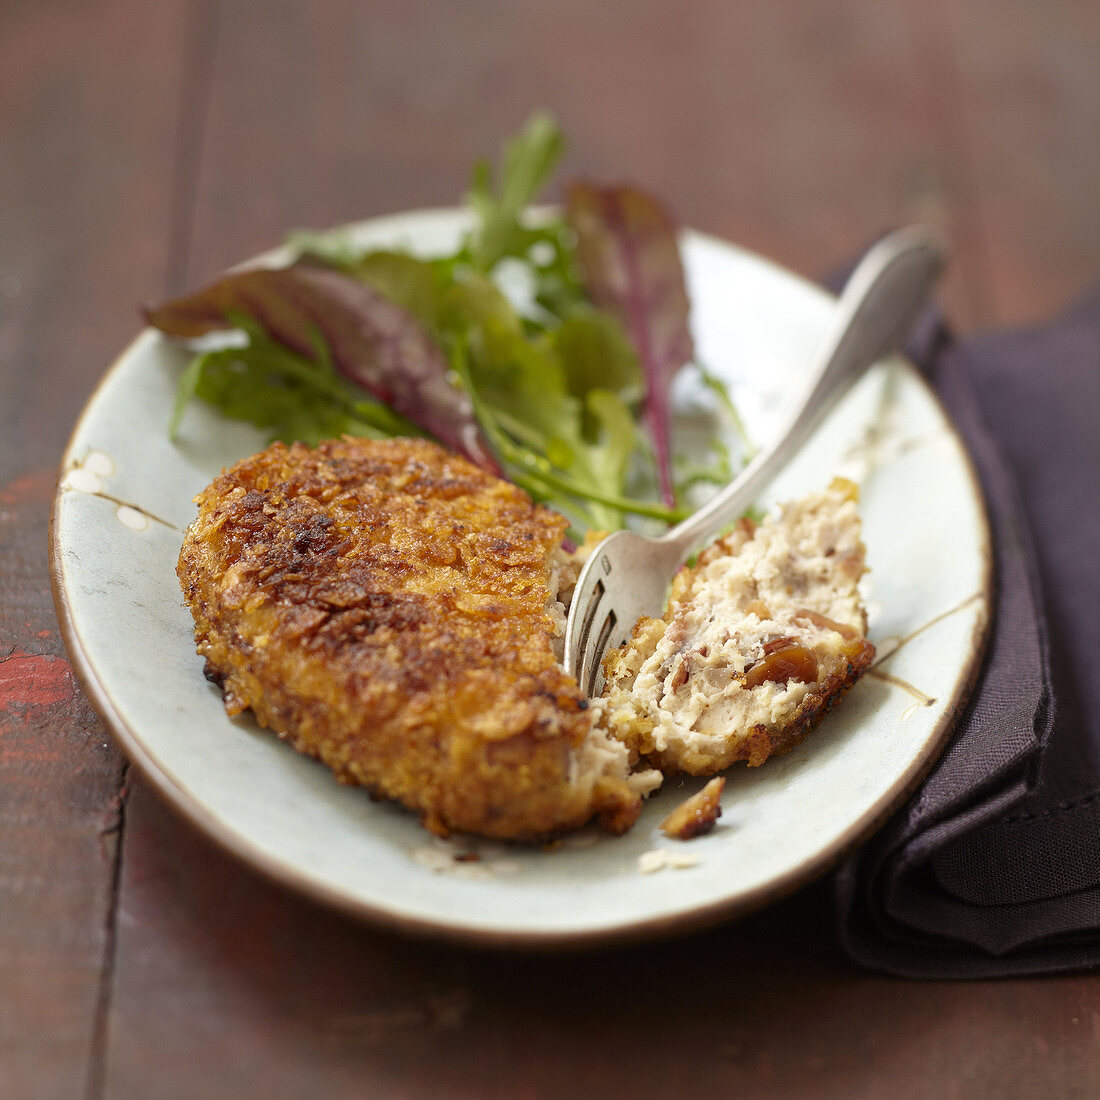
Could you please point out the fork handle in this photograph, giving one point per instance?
(877, 308)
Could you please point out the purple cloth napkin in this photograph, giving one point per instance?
(993, 866)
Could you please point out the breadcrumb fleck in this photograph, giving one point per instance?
(696, 815)
(661, 858)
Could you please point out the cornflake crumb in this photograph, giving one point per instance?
(660, 858)
(696, 815)
(432, 859)
(465, 860)
(585, 838)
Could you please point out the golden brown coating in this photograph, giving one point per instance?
(385, 606)
(697, 814)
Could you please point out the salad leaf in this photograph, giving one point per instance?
(495, 343)
(373, 342)
(535, 431)
(414, 284)
(528, 160)
(506, 229)
(610, 437)
(721, 391)
(523, 387)
(596, 354)
(630, 265)
(295, 398)
(558, 391)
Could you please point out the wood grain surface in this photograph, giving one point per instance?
(144, 147)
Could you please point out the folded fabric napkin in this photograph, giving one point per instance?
(993, 866)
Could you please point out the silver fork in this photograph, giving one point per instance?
(628, 575)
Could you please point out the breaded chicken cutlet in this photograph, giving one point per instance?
(761, 637)
(391, 609)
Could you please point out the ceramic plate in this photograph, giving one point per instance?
(125, 498)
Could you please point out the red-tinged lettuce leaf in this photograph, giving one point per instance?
(371, 340)
(630, 265)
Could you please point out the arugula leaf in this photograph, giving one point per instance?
(380, 342)
(721, 391)
(596, 354)
(610, 438)
(630, 263)
(532, 466)
(414, 284)
(273, 388)
(498, 203)
(583, 433)
(373, 342)
(505, 228)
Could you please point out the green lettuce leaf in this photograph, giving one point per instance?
(289, 396)
(499, 202)
(373, 342)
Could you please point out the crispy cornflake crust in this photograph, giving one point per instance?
(383, 606)
(696, 815)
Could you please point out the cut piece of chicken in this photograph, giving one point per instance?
(762, 635)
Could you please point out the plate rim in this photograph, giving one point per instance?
(525, 938)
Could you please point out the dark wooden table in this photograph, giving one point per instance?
(143, 147)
